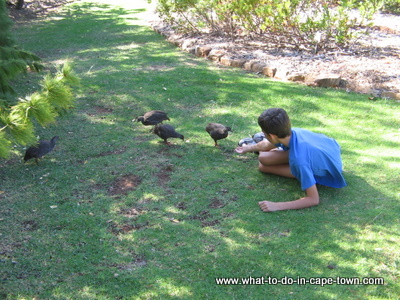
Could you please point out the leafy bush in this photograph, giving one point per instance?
(392, 6)
(301, 24)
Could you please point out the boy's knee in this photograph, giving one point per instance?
(263, 168)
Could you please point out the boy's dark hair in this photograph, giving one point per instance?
(275, 121)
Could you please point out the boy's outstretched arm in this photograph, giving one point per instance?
(261, 146)
(311, 199)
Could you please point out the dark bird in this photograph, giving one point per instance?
(217, 131)
(166, 131)
(41, 149)
(153, 117)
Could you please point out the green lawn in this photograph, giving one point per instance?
(188, 213)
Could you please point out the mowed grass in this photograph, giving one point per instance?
(112, 213)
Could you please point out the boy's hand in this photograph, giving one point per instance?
(240, 150)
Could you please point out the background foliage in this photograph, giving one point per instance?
(301, 24)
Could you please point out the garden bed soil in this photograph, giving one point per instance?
(370, 66)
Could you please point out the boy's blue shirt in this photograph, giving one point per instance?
(315, 158)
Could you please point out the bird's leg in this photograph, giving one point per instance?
(167, 143)
(37, 160)
(216, 144)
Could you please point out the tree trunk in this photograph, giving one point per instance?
(20, 4)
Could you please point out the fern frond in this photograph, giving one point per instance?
(41, 109)
(22, 134)
(20, 130)
(67, 74)
(57, 93)
(36, 106)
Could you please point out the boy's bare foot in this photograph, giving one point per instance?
(268, 206)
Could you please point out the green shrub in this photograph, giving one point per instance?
(392, 6)
(301, 24)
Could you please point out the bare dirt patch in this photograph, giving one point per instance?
(112, 152)
(124, 184)
(30, 225)
(216, 203)
(117, 229)
(164, 174)
(131, 212)
(181, 206)
(139, 261)
(205, 218)
(97, 110)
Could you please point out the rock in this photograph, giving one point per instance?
(238, 63)
(363, 89)
(202, 51)
(258, 67)
(269, 71)
(296, 77)
(215, 54)
(330, 80)
(226, 61)
(391, 95)
(175, 40)
(230, 62)
(248, 64)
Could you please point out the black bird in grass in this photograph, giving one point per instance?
(39, 150)
(153, 117)
(217, 131)
(166, 131)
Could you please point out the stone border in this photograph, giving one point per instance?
(221, 57)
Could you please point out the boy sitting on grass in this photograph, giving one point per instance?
(310, 157)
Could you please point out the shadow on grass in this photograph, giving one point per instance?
(188, 213)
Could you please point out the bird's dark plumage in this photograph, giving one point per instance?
(217, 131)
(153, 117)
(41, 149)
(166, 131)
